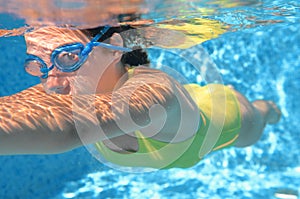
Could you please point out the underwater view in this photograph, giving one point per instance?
(251, 45)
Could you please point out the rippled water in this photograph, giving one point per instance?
(236, 14)
(255, 46)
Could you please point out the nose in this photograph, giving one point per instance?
(57, 83)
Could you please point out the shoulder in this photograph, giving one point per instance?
(145, 70)
(146, 75)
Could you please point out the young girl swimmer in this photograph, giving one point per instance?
(146, 118)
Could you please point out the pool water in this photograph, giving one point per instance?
(259, 55)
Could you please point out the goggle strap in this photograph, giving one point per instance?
(90, 45)
(109, 46)
(88, 48)
(100, 34)
(45, 71)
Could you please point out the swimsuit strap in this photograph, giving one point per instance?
(130, 72)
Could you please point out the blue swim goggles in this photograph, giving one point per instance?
(68, 57)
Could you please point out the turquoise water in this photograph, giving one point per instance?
(259, 56)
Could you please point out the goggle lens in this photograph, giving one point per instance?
(69, 57)
(33, 67)
(67, 60)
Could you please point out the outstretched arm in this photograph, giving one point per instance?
(33, 122)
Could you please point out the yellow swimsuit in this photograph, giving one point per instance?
(220, 126)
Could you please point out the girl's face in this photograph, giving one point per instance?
(96, 74)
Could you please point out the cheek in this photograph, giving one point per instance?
(98, 62)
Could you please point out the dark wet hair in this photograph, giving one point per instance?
(134, 58)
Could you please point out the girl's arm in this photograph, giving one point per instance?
(33, 122)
